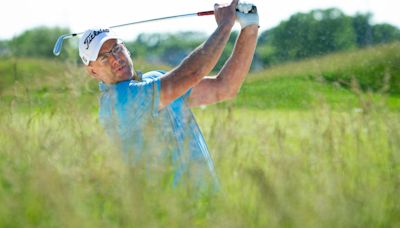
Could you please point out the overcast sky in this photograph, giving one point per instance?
(78, 15)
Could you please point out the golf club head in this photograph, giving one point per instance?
(58, 45)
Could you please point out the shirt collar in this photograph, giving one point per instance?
(103, 87)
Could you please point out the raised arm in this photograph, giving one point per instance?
(202, 60)
(226, 84)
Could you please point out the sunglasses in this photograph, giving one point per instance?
(115, 51)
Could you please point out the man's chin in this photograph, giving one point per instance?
(124, 74)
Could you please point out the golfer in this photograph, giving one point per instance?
(148, 115)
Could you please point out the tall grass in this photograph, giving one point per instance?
(276, 168)
(310, 165)
(318, 168)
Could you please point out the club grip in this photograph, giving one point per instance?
(205, 13)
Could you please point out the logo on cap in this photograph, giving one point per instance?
(92, 35)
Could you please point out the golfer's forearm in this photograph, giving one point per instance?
(236, 68)
(194, 67)
(202, 60)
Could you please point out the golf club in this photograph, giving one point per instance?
(60, 40)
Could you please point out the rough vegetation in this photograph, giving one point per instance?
(294, 149)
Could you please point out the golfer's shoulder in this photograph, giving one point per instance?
(153, 74)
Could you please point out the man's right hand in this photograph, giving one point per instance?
(225, 15)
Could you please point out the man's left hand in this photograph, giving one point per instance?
(247, 14)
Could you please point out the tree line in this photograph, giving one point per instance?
(303, 35)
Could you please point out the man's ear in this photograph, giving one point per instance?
(91, 72)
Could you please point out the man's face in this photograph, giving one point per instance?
(113, 63)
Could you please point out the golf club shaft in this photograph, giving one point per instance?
(59, 42)
(205, 13)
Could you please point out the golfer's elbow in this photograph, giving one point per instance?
(230, 94)
(226, 90)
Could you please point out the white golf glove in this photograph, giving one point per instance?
(246, 14)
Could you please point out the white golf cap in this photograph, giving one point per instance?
(91, 41)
